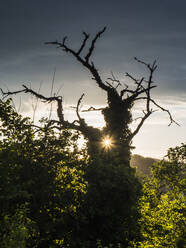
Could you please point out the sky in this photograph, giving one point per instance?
(146, 29)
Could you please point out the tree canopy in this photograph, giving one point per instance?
(163, 202)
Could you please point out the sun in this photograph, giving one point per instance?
(107, 142)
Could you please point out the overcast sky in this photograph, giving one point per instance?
(146, 29)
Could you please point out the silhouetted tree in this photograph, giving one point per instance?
(117, 113)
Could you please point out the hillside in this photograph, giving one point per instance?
(142, 164)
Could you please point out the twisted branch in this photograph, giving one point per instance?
(83, 43)
(84, 60)
(98, 35)
(147, 90)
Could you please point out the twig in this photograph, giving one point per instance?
(35, 107)
(51, 92)
(93, 44)
(86, 36)
(78, 106)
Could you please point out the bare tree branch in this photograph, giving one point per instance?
(78, 108)
(36, 104)
(61, 123)
(152, 67)
(146, 115)
(83, 43)
(8, 93)
(84, 61)
(58, 99)
(166, 110)
(98, 35)
(51, 92)
(113, 80)
(147, 90)
(110, 85)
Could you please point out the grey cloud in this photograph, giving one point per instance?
(146, 29)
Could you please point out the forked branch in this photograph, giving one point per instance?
(86, 36)
(147, 90)
(91, 49)
(166, 110)
(84, 60)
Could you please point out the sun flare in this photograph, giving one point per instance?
(107, 142)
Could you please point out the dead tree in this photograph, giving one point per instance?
(117, 114)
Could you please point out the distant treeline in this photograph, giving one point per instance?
(142, 164)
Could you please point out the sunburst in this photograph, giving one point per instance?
(107, 142)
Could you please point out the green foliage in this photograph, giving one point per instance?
(109, 211)
(172, 172)
(163, 203)
(53, 195)
(99, 245)
(16, 229)
(72, 200)
(163, 224)
(42, 170)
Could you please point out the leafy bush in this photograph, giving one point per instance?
(163, 203)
